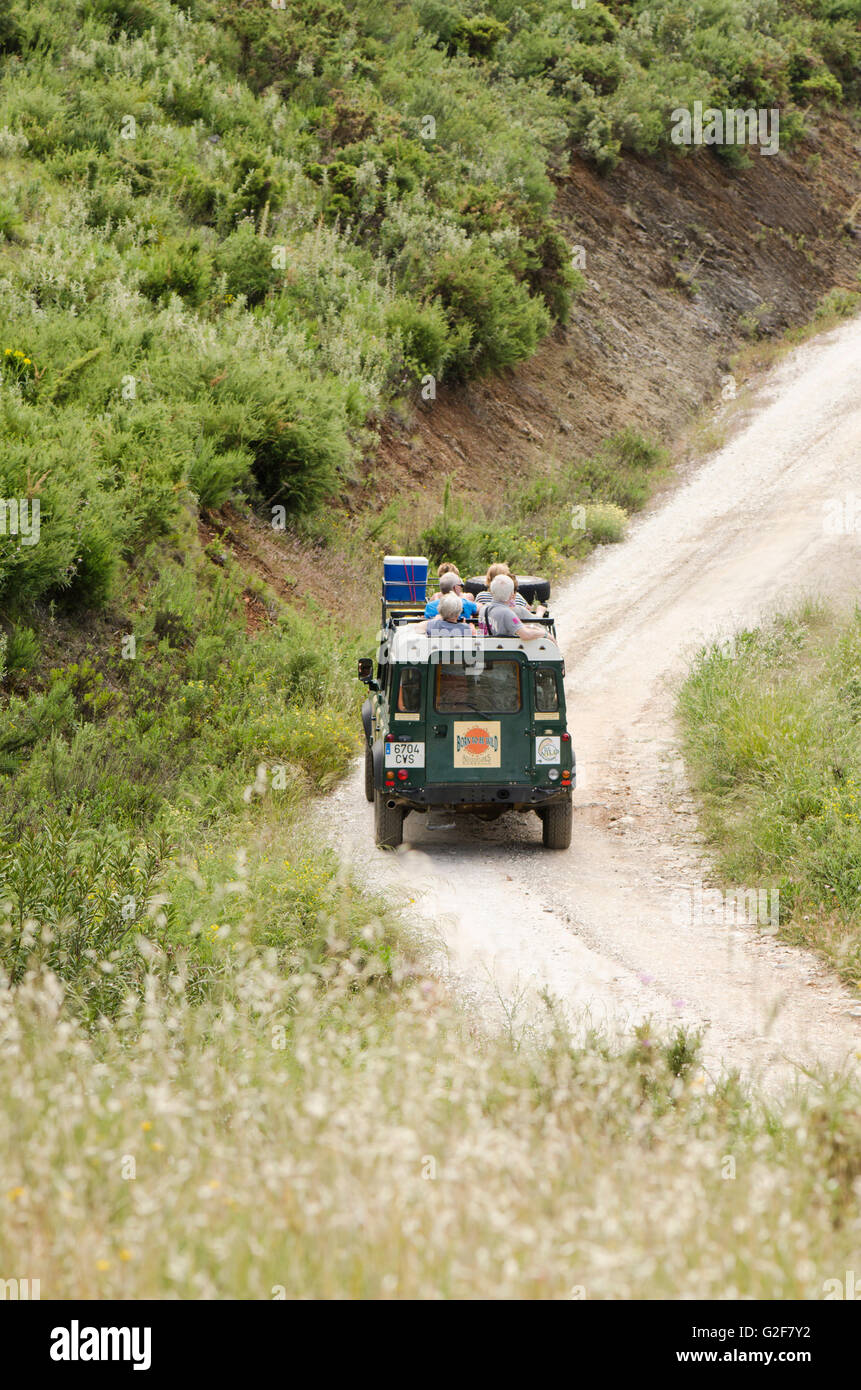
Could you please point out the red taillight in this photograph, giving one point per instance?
(566, 777)
(402, 774)
(566, 738)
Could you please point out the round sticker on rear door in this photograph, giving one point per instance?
(547, 750)
(476, 745)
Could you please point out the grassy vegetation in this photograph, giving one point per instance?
(774, 742)
(154, 740)
(545, 523)
(317, 1134)
(231, 235)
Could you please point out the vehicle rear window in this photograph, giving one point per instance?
(465, 690)
(546, 692)
(410, 690)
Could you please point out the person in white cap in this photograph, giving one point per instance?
(451, 583)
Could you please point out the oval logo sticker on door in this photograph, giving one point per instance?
(476, 745)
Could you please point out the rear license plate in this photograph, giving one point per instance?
(405, 755)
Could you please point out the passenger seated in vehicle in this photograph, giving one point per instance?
(495, 569)
(484, 597)
(451, 583)
(501, 615)
(449, 619)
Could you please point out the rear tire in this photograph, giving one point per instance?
(369, 772)
(556, 828)
(388, 822)
(533, 589)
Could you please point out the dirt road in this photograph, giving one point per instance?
(608, 928)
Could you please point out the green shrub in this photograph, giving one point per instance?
(177, 267)
(619, 473)
(22, 650)
(632, 449)
(10, 32)
(599, 65)
(214, 476)
(256, 188)
(605, 523)
(110, 202)
(821, 86)
(134, 16)
(294, 427)
(245, 260)
(95, 566)
(478, 35)
(504, 321)
(471, 545)
(10, 223)
(844, 303)
(600, 143)
(594, 23)
(203, 199)
(425, 334)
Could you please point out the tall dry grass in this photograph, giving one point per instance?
(344, 1132)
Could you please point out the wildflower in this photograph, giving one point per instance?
(103, 1265)
(146, 1124)
(14, 1193)
(125, 1255)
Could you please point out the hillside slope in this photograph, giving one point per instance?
(685, 262)
(239, 241)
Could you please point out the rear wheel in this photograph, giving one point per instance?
(369, 772)
(388, 822)
(529, 586)
(533, 589)
(556, 830)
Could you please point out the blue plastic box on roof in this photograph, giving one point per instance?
(405, 578)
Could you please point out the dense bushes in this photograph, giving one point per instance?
(183, 305)
(504, 322)
(350, 198)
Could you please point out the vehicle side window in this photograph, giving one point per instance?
(410, 690)
(546, 692)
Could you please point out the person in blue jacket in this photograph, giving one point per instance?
(451, 583)
(449, 619)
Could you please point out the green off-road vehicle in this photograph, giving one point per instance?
(465, 724)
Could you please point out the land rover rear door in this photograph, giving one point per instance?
(477, 719)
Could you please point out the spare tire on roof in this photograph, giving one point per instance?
(533, 589)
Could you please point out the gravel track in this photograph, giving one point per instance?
(600, 928)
